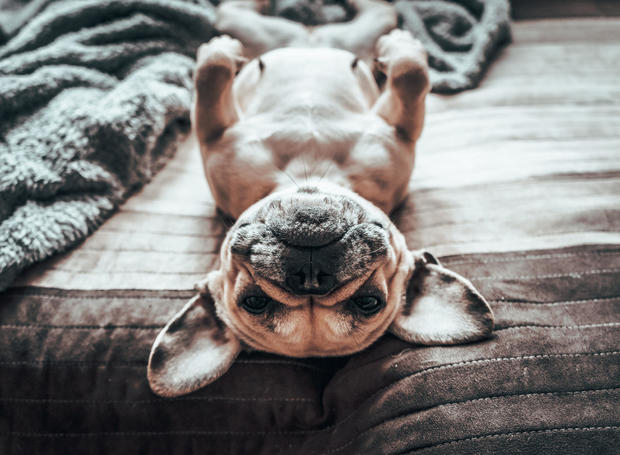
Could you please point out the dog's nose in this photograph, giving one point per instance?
(308, 272)
(303, 282)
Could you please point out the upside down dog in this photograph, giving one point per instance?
(310, 148)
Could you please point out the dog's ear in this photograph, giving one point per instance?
(440, 306)
(192, 350)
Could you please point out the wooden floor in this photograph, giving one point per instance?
(531, 159)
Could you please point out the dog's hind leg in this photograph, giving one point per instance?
(214, 107)
(242, 19)
(374, 18)
(404, 61)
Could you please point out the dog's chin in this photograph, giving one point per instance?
(309, 216)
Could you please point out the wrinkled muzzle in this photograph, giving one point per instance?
(311, 243)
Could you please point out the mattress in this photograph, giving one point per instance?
(516, 187)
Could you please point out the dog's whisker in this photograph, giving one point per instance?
(326, 171)
(303, 161)
(331, 162)
(376, 251)
(290, 177)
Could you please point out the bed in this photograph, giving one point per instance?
(516, 187)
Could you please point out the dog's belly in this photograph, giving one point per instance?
(326, 81)
(306, 118)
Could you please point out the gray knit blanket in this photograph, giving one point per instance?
(95, 94)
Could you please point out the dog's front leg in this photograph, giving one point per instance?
(214, 107)
(404, 61)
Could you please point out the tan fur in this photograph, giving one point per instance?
(305, 132)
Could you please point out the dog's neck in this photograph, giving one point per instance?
(322, 174)
(372, 182)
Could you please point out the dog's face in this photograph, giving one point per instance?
(307, 272)
(312, 271)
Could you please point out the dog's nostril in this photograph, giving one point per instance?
(326, 281)
(303, 282)
(296, 280)
(301, 275)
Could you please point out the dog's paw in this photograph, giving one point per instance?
(399, 52)
(399, 42)
(222, 51)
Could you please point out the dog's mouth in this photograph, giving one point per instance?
(310, 244)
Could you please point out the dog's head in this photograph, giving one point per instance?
(312, 272)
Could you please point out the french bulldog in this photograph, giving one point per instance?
(309, 148)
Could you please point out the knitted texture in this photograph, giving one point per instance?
(461, 37)
(93, 95)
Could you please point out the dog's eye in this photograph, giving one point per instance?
(255, 304)
(368, 305)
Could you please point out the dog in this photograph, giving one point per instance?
(308, 154)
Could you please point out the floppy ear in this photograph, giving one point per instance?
(441, 307)
(192, 350)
